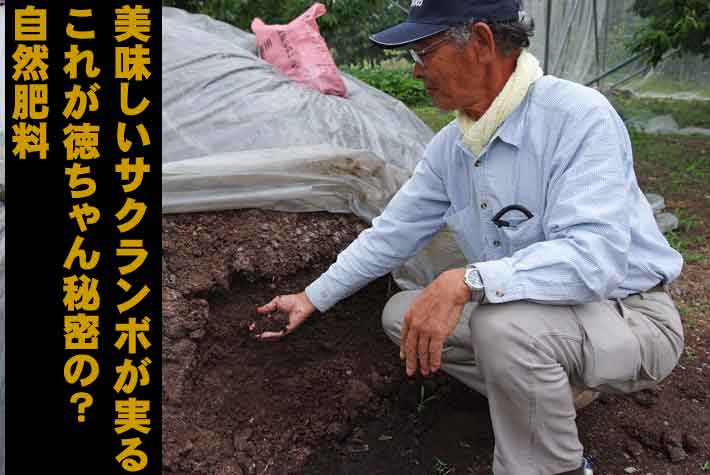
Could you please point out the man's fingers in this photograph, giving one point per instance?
(269, 307)
(435, 347)
(403, 338)
(410, 349)
(423, 350)
(271, 336)
(274, 336)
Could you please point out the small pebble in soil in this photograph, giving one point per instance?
(241, 438)
(646, 398)
(339, 430)
(672, 440)
(691, 443)
(634, 448)
(672, 437)
(676, 454)
(358, 448)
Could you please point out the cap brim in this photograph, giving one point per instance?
(405, 33)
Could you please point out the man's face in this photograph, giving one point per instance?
(450, 73)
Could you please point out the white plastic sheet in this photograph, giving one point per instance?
(571, 51)
(220, 98)
(239, 134)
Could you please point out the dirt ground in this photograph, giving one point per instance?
(332, 398)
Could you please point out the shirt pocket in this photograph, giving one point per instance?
(520, 236)
(464, 226)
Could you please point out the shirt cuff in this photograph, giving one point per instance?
(497, 279)
(324, 292)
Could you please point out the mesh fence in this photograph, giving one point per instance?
(585, 38)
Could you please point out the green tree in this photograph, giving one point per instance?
(346, 27)
(672, 24)
(189, 5)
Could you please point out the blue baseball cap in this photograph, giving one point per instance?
(429, 17)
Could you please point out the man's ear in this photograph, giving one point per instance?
(482, 37)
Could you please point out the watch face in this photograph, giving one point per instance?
(472, 280)
(467, 278)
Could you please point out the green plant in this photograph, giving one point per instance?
(686, 158)
(398, 83)
(685, 113)
(682, 239)
(682, 244)
(433, 117)
(422, 400)
(672, 24)
(441, 467)
(706, 466)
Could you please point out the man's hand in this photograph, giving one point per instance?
(298, 308)
(432, 317)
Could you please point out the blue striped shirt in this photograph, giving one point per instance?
(565, 155)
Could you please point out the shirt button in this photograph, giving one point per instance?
(477, 163)
(484, 205)
(496, 243)
(500, 293)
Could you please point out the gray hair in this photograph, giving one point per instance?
(509, 36)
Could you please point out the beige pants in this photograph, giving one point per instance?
(524, 356)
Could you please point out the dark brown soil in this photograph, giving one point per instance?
(271, 322)
(332, 398)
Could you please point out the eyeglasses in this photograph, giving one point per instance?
(418, 55)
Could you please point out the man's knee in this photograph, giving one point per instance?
(492, 333)
(395, 310)
(503, 337)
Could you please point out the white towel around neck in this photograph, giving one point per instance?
(476, 134)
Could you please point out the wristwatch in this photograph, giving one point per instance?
(474, 282)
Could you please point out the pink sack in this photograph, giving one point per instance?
(299, 51)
